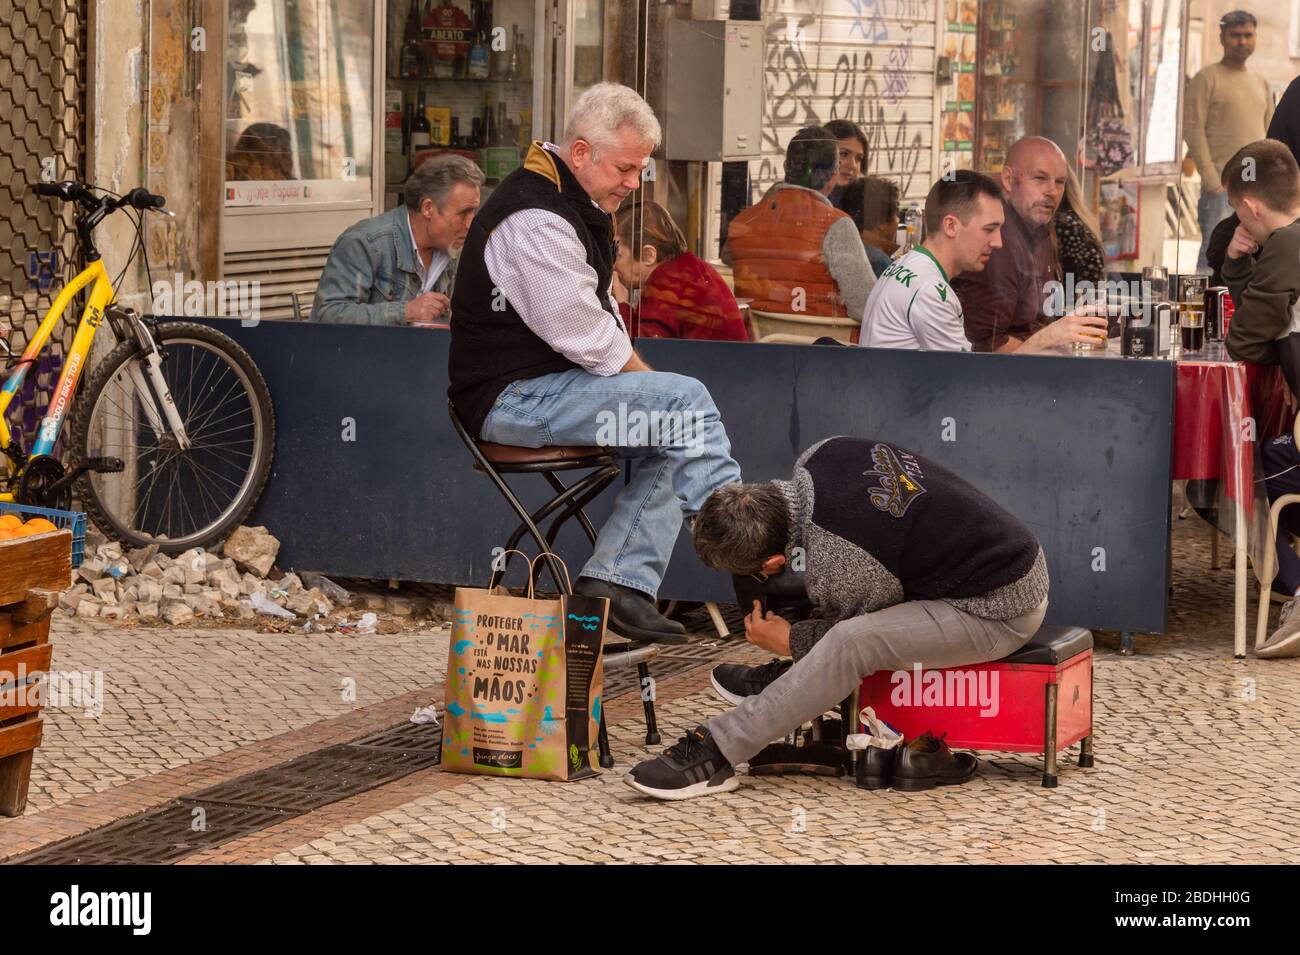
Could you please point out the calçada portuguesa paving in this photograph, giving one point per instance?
(1196, 757)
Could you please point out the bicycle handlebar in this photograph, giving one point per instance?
(77, 192)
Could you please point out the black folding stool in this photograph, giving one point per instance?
(496, 460)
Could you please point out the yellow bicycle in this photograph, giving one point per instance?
(171, 441)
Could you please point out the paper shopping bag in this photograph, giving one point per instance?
(524, 682)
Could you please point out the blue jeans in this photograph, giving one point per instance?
(1210, 211)
(668, 424)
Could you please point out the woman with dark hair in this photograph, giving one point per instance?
(682, 296)
(873, 205)
(851, 147)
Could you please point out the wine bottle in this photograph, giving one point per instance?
(411, 60)
(420, 128)
(489, 118)
(455, 133)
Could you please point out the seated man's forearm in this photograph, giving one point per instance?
(359, 313)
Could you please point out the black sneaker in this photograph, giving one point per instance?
(694, 766)
(735, 681)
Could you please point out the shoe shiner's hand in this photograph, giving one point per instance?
(769, 632)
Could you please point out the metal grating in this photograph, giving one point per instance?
(43, 127)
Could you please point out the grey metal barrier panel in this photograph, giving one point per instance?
(370, 480)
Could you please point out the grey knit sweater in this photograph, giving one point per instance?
(879, 525)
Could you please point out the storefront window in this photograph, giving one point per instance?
(1164, 41)
(299, 101)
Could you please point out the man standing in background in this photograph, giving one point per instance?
(1227, 107)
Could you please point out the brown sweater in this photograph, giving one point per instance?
(1265, 290)
(1225, 109)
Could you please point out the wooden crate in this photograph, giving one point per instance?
(33, 572)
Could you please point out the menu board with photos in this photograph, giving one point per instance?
(960, 46)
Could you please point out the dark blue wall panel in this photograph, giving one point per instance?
(1079, 449)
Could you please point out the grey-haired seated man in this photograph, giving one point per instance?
(399, 268)
(906, 563)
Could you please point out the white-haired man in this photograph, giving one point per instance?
(540, 357)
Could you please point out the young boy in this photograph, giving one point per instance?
(913, 306)
(1262, 269)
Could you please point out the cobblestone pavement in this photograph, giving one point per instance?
(1196, 757)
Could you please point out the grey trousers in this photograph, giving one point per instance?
(929, 632)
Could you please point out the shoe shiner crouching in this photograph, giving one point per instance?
(905, 563)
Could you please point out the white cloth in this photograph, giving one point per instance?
(913, 307)
(436, 265)
(537, 261)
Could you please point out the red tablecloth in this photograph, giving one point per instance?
(1214, 403)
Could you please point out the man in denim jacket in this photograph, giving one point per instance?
(399, 268)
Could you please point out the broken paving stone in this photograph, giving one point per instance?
(239, 609)
(70, 601)
(92, 569)
(291, 584)
(116, 611)
(192, 589)
(253, 548)
(172, 592)
(194, 574)
(147, 610)
(88, 607)
(95, 538)
(176, 612)
(105, 587)
(204, 604)
(400, 606)
(249, 585)
(139, 556)
(174, 574)
(152, 569)
(309, 602)
(148, 590)
(109, 551)
(375, 601)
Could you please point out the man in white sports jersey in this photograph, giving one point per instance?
(913, 305)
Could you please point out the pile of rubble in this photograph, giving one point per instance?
(239, 582)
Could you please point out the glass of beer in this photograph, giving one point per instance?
(1191, 312)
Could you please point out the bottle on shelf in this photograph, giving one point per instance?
(512, 67)
(476, 133)
(455, 133)
(420, 129)
(489, 117)
(411, 60)
(478, 65)
(503, 125)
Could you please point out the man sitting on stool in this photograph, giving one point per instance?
(539, 356)
(906, 563)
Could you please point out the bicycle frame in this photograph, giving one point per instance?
(101, 296)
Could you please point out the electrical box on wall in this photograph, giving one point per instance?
(714, 85)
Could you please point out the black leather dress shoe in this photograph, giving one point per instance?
(632, 614)
(875, 767)
(927, 762)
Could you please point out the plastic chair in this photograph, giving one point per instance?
(1270, 551)
(783, 327)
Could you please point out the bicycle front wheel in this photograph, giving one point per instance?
(165, 495)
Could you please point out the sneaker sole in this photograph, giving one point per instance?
(723, 692)
(706, 788)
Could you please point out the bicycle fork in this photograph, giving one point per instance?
(150, 386)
